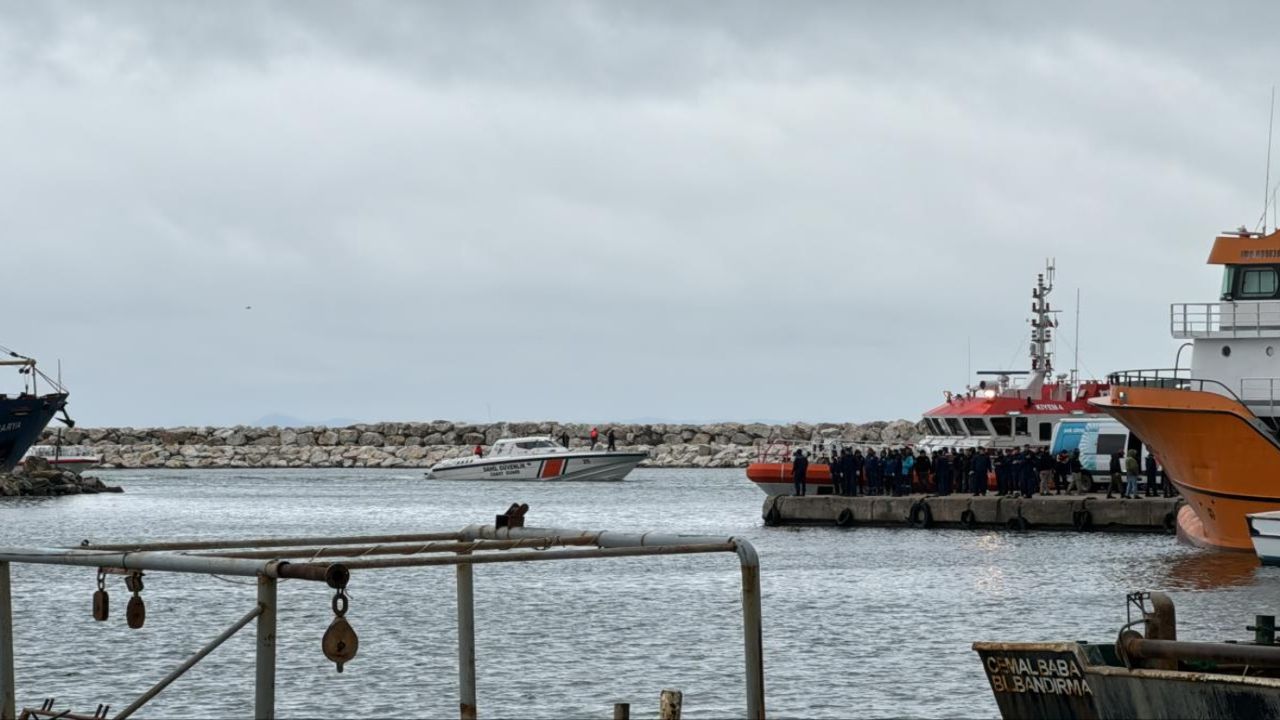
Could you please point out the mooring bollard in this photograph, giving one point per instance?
(622, 711)
(672, 701)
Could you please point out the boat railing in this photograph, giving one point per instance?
(1170, 379)
(1224, 320)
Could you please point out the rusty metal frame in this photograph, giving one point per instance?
(331, 560)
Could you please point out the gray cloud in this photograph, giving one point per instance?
(605, 210)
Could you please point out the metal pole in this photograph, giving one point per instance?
(8, 694)
(264, 686)
(466, 645)
(188, 664)
(752, 634)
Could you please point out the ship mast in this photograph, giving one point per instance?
(1042, 324)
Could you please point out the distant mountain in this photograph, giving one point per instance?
(291, 421)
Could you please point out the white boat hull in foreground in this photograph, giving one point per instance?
(1264, 530)
(603, 466)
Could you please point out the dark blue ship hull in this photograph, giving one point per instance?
(22, 419)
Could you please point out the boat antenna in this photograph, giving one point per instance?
(1266, 189)
(1075, 365)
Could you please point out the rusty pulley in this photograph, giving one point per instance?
(135, 613)
(101, 601)
(340, 643)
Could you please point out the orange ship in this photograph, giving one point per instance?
(1213, 426)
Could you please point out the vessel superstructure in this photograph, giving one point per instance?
(1214, 425)
(1015, 408)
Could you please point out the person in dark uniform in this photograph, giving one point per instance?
(833, 469)
(564, 438)
(960, 470)
(1029, 472)
(1114, 468)
(846, 472)
(980, 465)
(799, 468)
(858, 487)
(892, 467)
(873, 468)
(1165, 485)
(942, 470)
(1152, 471)
(924, 467)
(1000, 465)
(613, 441)
(1061, 472)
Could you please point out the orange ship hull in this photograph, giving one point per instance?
(1222, 464)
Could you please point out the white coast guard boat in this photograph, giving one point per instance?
(537, 458)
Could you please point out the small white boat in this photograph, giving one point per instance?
(66, 457)
(537, 458)
(1264, 530)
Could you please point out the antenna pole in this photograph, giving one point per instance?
(1266, 191)
(968, 360)
(1075, 369)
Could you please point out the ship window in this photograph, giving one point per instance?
(1046, 431)
(1259, 282)
(1020, 426)
(935, 427)
(1002, 425)
(1228, 282)
(976, 426)
(954, 425)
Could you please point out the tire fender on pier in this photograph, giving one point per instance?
(1018, 523)
(920, 516)
(845, 518)
(1082, 520)
(968, 519)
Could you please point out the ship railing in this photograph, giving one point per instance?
(1170, 379)
(1259, 395)
(1224, 320)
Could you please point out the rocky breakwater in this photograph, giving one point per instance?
(35, 477)
(422, 444)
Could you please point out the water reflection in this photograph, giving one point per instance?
(1207, 570)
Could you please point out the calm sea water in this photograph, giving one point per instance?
(858, 623)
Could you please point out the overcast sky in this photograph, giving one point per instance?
(604, 211)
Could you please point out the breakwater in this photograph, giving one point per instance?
(422, 444)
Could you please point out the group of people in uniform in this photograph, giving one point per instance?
(1025, 471)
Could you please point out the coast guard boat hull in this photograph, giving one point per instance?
(22, 419)
(538, 459)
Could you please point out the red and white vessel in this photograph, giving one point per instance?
(66, 457)
(1006, 409)
(1009, 408)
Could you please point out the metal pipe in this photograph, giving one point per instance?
(188, 663)
(264, 684)
(166, 562)
(414, 561)
(466, 644)
(405, 548)
(8, 693)
(273, 542)
(1135, 646)
(752, 629)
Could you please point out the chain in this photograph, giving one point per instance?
(340, 602)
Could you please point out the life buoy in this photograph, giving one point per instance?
(920, 516)
(845, 518)
(968, 519)
(1170, 523)
(1018, 523)
(1082, 520)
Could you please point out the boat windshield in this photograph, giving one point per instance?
(525, 447)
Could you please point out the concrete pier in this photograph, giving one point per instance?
(1042, 512)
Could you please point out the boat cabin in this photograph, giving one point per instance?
(513, 447)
